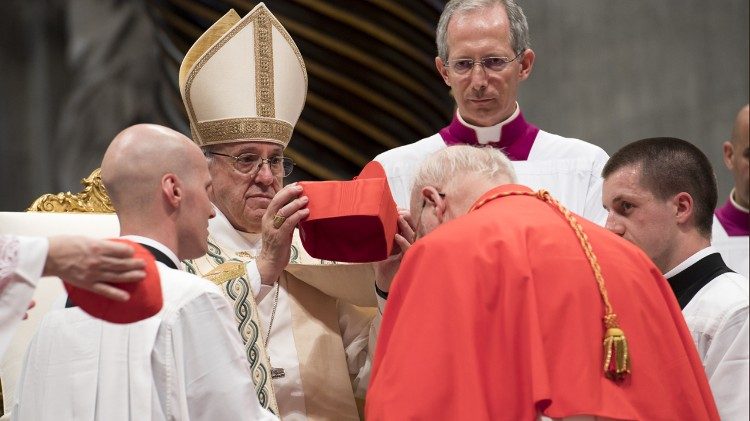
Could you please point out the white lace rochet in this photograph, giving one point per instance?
(9, 246)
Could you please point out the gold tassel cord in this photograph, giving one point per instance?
(616, 356)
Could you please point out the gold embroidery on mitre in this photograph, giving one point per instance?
(295, 50)
(231, 129)
(264, 100)
(219, 129)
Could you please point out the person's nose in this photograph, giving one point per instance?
(614, 225)
(479, 77)
(265, 175)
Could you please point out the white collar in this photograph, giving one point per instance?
(157, 245)
(489, 134)
(690, 261)
(735, 204)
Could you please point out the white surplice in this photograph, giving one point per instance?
(185, 363)
(570, 169)
(21, 264)
(735, 250)
(358, 328)
(717, 317)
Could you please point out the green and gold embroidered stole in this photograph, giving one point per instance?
(230, 274)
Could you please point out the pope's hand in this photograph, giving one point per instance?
(93, 264)
(286, 210)
(385, 270)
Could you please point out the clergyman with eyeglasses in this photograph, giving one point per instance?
(484, 55)
(244, 84)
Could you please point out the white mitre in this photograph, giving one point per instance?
(243, 80)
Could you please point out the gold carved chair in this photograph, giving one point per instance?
(88, 212)
(92, 199)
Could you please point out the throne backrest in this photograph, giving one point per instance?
(88, 213)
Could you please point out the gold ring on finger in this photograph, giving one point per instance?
(278, 220)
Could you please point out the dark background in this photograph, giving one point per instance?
(73, 73)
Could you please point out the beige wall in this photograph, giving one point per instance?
(612, 72)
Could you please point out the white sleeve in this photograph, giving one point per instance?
(399, 180)
(726, 363)
(260, 290)
(21, 264)
(359, 332)
(594, 211)
(214, 373)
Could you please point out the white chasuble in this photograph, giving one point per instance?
(735, 250)
(319, 344)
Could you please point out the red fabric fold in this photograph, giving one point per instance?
(497, 315)
(145, 296)
(350, 221)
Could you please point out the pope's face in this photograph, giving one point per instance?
(243, 198)
(636, 215)
(484, 97)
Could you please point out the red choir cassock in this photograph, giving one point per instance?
(497, 315)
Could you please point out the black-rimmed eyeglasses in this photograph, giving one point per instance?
(463, 66)
(250, 163)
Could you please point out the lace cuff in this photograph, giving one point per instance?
(9, 246)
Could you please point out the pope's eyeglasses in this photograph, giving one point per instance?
(250, 163)
(463, 66)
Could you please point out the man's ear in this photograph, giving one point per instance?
(440, 66)
(527, 63)
(728, 155)
(171, 188)
(684, 207)
(433, 197)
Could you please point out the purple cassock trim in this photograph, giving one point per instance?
(516, 137)
(734, 221)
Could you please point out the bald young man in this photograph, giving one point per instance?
(187, 362)
(732, 220)
(736, 154)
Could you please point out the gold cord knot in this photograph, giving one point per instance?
(610, 321)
